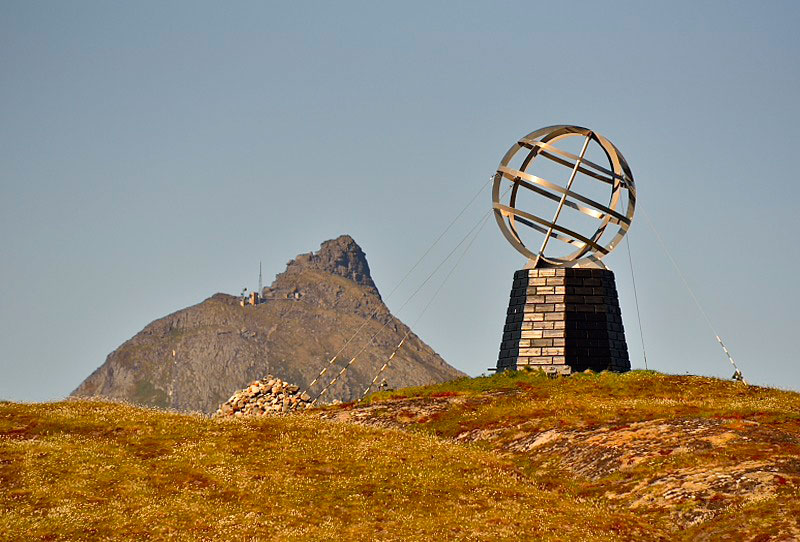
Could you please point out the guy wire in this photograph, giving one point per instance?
(737, 375)
(636, 299)
(430, 301)
(402, 280)
(408, 300)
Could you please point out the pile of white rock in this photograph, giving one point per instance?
(268, 396)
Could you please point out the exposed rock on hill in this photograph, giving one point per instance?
(694, 457)
(195, 358)
(340, 256)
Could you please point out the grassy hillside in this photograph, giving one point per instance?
(514, 457)
(697, 458)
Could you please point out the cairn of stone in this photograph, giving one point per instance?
(266, 397)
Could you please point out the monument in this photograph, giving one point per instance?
(564, 211)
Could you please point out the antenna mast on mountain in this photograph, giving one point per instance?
(260, 282)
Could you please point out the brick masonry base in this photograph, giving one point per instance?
(564, 320)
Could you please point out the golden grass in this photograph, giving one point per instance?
(88, 470)
(82, 470)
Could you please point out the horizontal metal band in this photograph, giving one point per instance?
(589, 260)
(589, 163)
(520, 177)
(508, 211)
(554, 235)
(570, 165)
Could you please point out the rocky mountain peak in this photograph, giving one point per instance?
(194, 358)
(341, 256)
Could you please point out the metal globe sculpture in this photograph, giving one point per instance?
(610, 217)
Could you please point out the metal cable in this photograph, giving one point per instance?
(430, 301)
(737, 375)
(402, 280)
(636, 299)
(428, 278)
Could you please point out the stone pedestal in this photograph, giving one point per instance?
(564, 320)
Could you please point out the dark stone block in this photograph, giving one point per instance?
(571, 316)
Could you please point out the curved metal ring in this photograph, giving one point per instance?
(589, 249)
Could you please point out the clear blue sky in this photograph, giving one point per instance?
(152, 153)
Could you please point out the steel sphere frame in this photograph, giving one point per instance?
(541, 144)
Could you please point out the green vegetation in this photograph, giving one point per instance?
(587, 399)
(145, 393)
